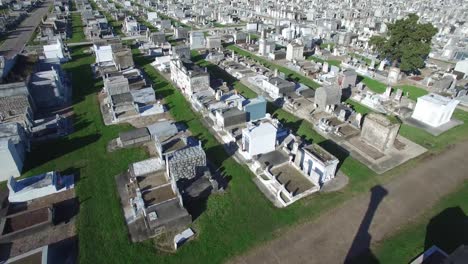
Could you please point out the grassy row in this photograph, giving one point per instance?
(77, 29)
(254, 221)
(303, 128)
(376, 86)
(116, 25)
(231, 223)
(288, 72)
(336, 63)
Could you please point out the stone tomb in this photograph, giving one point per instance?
(379, 132)
(433, 113)
(379, 146)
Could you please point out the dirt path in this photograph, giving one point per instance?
(349, 229)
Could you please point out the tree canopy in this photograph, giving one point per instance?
(407, 43)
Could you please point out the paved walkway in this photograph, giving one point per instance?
(333, 236)
(18, 38)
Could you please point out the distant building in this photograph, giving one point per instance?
(294, 51)
(230, 117)
(182, 52)
(197, 40)
(347, 79)
(181, 33)
(155, 38)
(56, 52)
(189, 77)
(462, 66)
(152, 16)
(49, 88)
(16, 104)
(276, 87)
(265, 46)
(379, 131)
(213, 42)
(327, 95)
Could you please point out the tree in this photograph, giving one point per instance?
(407, 43)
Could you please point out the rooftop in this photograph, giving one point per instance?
(436, 99)
(280, 83)
(319, 152)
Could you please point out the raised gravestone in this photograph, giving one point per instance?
(360, 86)
(359, 119)
(335, 69)
(393, 75)
(382, 65)
(398, 95)
(342, 115)
(372, 64)
(325, 67)
(388, 92)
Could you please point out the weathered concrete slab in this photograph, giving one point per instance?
(381, 162)
(435, 131)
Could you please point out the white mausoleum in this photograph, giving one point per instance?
(259, 139)
(434, 110)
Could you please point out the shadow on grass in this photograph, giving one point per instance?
(336, 150)
(46, 151)
(447, 230)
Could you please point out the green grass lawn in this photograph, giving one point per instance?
(362, 58)
(336, 63)
(440, 142)
(434, 144)
(413, 92)
(444, 225)
(174, 21)
(290, 73)
(325, 45)
(77, 29)
(378, 87)
(304, 129)
(231, 223)
(116, 25)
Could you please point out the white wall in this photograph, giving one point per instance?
(320, 172)
(433, 114)
(462, 66)
(259, 142)
(10, 162)
(271, 89)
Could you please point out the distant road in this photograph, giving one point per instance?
(18, 38)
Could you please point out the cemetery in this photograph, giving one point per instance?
(295, 141)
